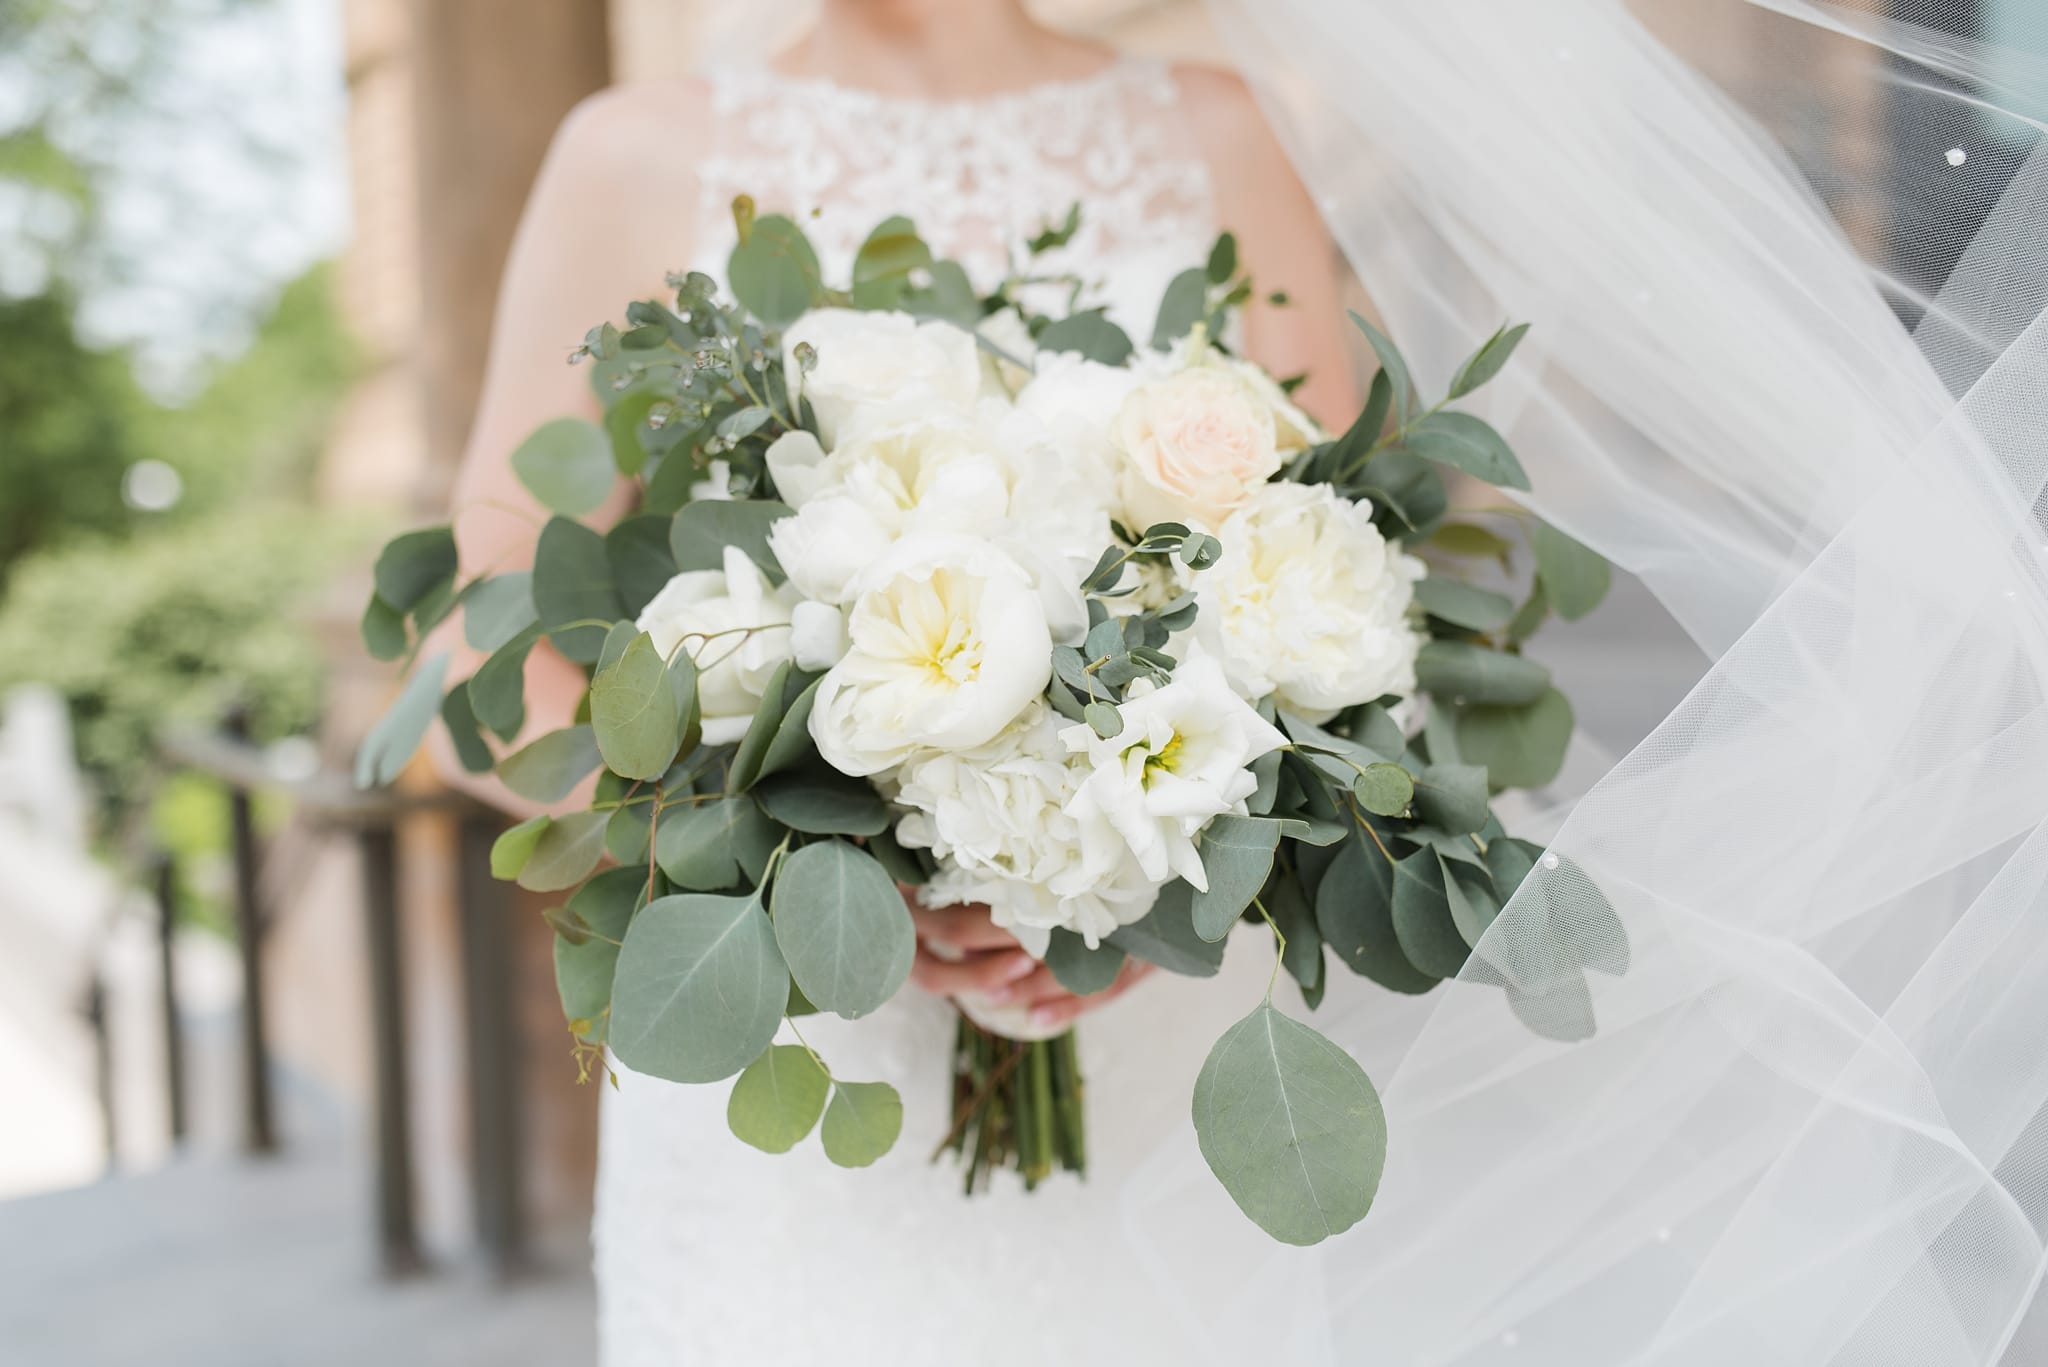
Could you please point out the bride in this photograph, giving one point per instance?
(1802, 1118)
(981, 125)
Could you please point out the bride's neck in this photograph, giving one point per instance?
(938, 48)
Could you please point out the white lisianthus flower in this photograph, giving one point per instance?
(1194, 446)
(716, 486)
(947, 643)
(995, 817)
(871, 359)
(1182, 759)
(709, 613)
(1310, 602)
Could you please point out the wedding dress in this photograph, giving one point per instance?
(1800, 1116)
(711, 1252)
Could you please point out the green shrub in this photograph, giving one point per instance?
(171, 629)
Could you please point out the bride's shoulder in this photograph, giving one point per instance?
(642, 124)
(1222, 113)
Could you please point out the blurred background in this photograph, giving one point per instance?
(282, 1074)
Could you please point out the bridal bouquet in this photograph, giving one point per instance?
(930, 590)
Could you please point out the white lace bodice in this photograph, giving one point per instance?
(977, 176)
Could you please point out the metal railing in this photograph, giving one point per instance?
(329, 803)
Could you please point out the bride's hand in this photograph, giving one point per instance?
(959, 949)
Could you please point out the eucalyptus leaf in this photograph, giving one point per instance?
(1459, 672)
(1237, 854)
(572, 583)
(701, 531)
(1422, 916)
(497, 610)
(773, 271)
(461, 724)
(843, 928)
(415, 564)
(1384, 789)
(1301, 952)
(1466, 443)
(707, 847)
(1510, 861)
(1470, 539)
(1223, 259)
(822, 802)
(1469, 893)
(1166, 936)
(634, 712)
(1391, 362)
(497, 691)
(511, 850)
(778, 1099)
(383, 628)
(761, 731)
(700, 988)
(1091, 334)
(1575, 578)
(641, 561)
(862, 1122)
(567, 464)
(1079, 969)
(1486, 362)
(1521, 746)
(1291, 1126)
(1453, 797)
(392, 741)
(1405, 487)
(1355, 912)
(583, 981)
(792, 743)
(568, 849)
(550, 768)
(1185, 301)
(607, 902)
(1464, 605)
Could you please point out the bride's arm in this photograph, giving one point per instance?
(1281, 242)
(610, 214)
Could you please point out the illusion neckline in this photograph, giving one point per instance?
(1115, 72)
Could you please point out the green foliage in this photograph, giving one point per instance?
(700, 988)
(778, 1099)
(171, 630)
(843, 928)
(1291, 1126)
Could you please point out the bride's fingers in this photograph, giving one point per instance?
(1061, 1010)
(977, 973)
(1032, 989)
(963, 927)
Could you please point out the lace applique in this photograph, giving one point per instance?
(978, 176)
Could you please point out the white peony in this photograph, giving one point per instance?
(995, 816)
(709, 613)
(1078, 401)
(869, 361)
(947, 643)
(1007, 367)
(1194, 445)
(1310, 602)
(829, 541)
(1182, 759)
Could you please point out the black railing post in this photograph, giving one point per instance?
(166, 880)
(259, 1131)
(493, 1049)
(397, 1238)
(103, 1067)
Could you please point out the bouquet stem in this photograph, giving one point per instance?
(1016, 1104)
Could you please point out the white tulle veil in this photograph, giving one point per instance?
(1790, 367)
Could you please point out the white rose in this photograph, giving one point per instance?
(1309, 602)
(995, 818)
(1182, 759)
(796, 464)
(1194, 446)
(1292, 428)
(947, 643)
(709, 613)
(870, 360)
